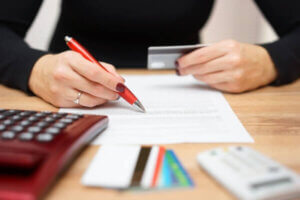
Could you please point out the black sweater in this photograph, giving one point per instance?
(119, 32)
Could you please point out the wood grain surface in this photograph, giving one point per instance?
(270, 114)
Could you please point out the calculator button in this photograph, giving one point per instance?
(16, 128)
(53, 130)
(44, 137)
(16, 117)
(66, 120)
(42, 124)
(8, 122)
(40, 114)
(12, 112)
(2, 110)
(2, 127)
(7, 113)
(34, 129)
(33, 118)
(56, 116)
(2, 116)
(47, 112)
(60, 125)
(8, 135)
(26, 136)
(25, 113)
(25, 123)
(74, 116)
(49, 119)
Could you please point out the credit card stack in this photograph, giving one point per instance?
(136, 167)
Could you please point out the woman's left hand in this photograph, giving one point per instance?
(229, 66)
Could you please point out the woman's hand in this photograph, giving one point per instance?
(59, 78)
(229, 66)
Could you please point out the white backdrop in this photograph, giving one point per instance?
(236, 19)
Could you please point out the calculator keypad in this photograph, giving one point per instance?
(44, 137)
(8, 135)
(31, 125)
(26, 136)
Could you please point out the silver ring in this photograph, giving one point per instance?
(78, 97)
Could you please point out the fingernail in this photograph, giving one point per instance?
(120, 87)
(177, 72)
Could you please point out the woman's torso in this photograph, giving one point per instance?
(119, 32)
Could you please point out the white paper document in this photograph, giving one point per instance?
(179, 110)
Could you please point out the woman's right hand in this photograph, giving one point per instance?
(60, 77)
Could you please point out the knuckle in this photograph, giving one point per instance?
(235, 60)
(110, 82)
(109, 95)
(97, 89)
(93, 73)
(67, 55)
(59, 73)
(238, 75)
(54, 90)
(61, 60)
(231, 44)
(111, 67)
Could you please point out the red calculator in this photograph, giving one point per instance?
(35, 147)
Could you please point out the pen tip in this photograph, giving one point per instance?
(137, 104)
(67, 38)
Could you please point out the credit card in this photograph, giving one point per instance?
(136, 167)
(179, 171)
(164, 57)
(122, 167)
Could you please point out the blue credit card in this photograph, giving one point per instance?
(177, 168)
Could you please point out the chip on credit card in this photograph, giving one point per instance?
(164, 57)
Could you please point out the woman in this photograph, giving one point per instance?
(119, 32)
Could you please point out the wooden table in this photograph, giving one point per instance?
(271, 115)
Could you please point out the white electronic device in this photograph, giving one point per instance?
(250, 175)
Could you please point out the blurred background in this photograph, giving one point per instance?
(235, 19)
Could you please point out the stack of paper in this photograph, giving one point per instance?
(136, 167)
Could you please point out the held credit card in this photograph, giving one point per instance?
(164, 57)
(136, 167)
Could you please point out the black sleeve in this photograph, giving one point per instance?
(16, 57)
(284, 16)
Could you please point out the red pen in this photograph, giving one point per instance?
(126, 93)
